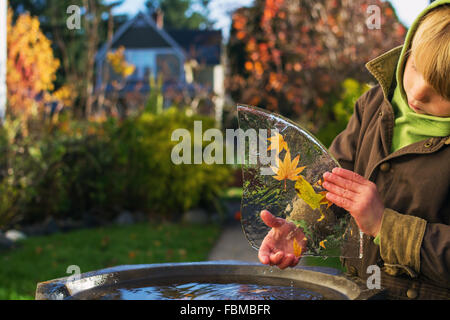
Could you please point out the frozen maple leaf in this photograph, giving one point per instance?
(322, 243)
(287, 169)
(307, 193)
(297, 248)
(322, 216)
(325, 200)
(277, 143)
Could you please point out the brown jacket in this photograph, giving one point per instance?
(414, 183)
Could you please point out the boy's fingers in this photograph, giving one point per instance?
(344, 183)
(340, 201)
(270, 220)
(276, 258)
(287, 261)
(295, 261)
(345, 193)
(264, 259)
(263, 254)
(349, 175)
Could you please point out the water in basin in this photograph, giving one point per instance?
(209, 291)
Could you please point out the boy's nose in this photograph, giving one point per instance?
(420, 92)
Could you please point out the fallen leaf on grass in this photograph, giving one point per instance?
(38, 250)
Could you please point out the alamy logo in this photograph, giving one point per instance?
(374, 19)
(75, 271)
(74, 20)
(374, 280)
(230, 150)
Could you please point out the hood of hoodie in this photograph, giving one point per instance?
(390, 66)
(409, 38)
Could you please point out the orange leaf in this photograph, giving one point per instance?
(297, 248)
(325, 200)
(321, 217)
(277, 143)
(287, 169)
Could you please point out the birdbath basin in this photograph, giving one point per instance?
(217, 280)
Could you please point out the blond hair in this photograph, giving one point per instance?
(431, 49)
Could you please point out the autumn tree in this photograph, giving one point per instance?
(290, 56)
(76, 48)
(31, 67)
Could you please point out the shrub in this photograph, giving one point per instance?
(102, 168)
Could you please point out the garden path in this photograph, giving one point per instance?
(232, 245)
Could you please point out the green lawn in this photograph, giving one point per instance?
(45, 258)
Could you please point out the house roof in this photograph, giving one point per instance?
(141, 32)
(138, 36)
(203, 45)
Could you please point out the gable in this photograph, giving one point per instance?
(141, 36)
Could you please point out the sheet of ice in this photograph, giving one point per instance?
(299, 197)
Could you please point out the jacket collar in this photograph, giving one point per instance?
(383, 68)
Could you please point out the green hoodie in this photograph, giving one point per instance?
(410, 126)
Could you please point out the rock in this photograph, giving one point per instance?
(125, 218)
(69, 225)
(15, 235)
(90, 220)
(50, 226)
(195, 216)
(5, 243)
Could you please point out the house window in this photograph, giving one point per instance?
(168, 65)
(143, 60)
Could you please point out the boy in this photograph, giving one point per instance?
(395, 175)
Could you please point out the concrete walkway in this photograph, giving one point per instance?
(232, 245)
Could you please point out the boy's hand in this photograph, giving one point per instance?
(277, 247)
(358, 196)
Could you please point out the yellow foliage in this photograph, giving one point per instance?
(119, 64)
(65, 94)
(31, 66)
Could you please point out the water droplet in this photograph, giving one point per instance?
(292, 290)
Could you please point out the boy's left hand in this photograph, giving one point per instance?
(358, 196)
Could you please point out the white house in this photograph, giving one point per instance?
(183, 57)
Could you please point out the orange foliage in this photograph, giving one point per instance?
(31, 66)
(292, 58)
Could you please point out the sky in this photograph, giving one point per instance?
(407, 10)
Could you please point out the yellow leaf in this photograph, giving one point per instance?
(287, 169)
(325, 200)
(322, 243)
(321, 217)
(306, 192)
(297, 248)
(277, 143)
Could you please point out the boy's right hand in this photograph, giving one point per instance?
(277, 247)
